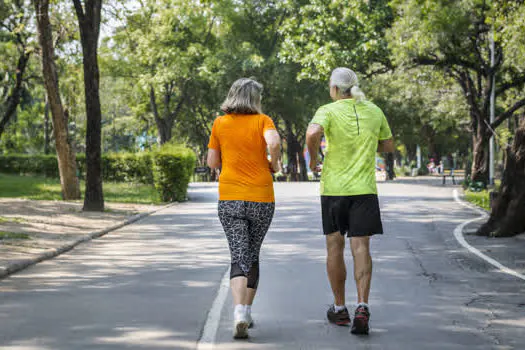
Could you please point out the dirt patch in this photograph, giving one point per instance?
(32, 227)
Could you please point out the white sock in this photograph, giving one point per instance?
(339, 308)
(239, 309)
(363, 304)
(248, 309)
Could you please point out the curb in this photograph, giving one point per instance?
(19, 265)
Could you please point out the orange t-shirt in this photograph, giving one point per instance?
(245, 173)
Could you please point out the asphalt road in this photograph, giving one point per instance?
(151, 285)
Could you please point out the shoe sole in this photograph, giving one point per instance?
(339, 323)
(241, 330)
(360, 327)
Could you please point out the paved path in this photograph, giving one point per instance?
(150, 285)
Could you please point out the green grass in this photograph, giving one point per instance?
(481, 199)
(10, 235)
(6, 220)
(40, 188)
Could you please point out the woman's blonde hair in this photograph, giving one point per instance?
(244, 97)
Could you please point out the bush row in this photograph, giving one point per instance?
(169, 168)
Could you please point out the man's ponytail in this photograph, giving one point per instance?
(357, 93)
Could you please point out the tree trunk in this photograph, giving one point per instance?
(65, 153)
(89, 23)
(14, 98)
(506, 218)
(165, 130)
(389, 162)
(303, 167)
(480, 155)
(164, 125)
(46, 127)
(296, 163)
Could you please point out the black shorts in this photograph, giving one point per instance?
(354, 216)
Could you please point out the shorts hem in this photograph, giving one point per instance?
(355, 234)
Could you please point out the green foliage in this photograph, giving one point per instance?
(321, 35)
(12, 235)
(172, 170)
(479, 198)
(24, 164)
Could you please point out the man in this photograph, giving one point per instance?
(355, 130)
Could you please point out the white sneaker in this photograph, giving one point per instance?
(240, 324)
(249, 319)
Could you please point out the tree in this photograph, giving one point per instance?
(423, 108)
(65, 151)
(166, 42)
(455, 38)
(321, 35)
(506, 217)
(14, 20)
(89, 17)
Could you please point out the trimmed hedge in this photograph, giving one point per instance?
(172, 170)
(169, 168)
(46, 165)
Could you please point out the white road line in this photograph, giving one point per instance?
(207, 340)
(458, 233)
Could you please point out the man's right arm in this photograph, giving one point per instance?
(313, 142)
(386, 146)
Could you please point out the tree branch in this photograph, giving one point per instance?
(447, 62)
(511, 84)
(507, 114)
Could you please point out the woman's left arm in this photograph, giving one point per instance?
(273, 140)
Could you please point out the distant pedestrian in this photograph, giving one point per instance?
(355, 130)
(238, 144)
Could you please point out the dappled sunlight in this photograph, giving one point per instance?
(169, 265)
(27, 345)
(147, 338)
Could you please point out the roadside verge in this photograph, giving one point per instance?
(458, 234)
(13, 266)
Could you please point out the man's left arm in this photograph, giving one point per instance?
(386, 141)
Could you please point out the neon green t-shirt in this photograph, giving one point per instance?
(352, 131)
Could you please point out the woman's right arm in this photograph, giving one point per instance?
(273, 140)
(214, 158)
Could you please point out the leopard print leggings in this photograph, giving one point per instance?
(245, 225)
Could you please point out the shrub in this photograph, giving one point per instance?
(172, 170)
(169, 169)
(26, 164)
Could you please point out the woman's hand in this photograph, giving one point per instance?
(275, 167)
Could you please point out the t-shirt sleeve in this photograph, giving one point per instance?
(321, 118)
(268, 124)
(214, 137)
(384, 132)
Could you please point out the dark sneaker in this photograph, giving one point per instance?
(341, 318)
(361, 319)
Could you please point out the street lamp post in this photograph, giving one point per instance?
(492, 109)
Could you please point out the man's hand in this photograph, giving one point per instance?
(314, 166)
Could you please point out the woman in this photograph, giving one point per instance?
(239, 143)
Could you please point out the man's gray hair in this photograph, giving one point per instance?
(346, 81)
(244, 97)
